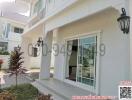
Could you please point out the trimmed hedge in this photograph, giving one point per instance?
(4, 53)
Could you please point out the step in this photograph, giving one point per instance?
(63, 89)
(44, 90)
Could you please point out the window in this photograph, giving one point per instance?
(7, 30)
(37, 6)
(3, 46)
(50, 1)
(18, 30)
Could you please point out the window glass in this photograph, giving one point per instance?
(18, 30)
(3, 46)
(38, 6)
(81, 60)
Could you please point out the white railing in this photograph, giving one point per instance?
(40, 15)
(49, 9)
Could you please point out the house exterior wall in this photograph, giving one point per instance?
(130, 13)
(24, 44)
(13, 41)
(114, 65)
(88, 16)
(31, 62)
(35, 61)
(79, 10)
(8, 34)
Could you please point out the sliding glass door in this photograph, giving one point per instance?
(86, 71)
(81, 63)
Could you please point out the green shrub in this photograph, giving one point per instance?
(4, 52)
(23, 92)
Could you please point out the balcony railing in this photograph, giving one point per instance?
(49, 9)
(40, 15)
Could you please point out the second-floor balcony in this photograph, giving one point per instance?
(46, 8)
(36, 18)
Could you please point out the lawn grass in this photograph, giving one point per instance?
(23, 92)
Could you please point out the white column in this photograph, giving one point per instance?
(57, 73)
(46, 57)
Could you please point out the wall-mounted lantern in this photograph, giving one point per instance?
(124, 22)
(34, 51)
(18, 48)
(40, 41)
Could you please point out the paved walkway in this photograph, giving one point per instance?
(7, 81)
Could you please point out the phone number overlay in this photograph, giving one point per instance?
(93, 97)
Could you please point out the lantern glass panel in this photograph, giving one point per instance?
(34, 51)
(121, 23)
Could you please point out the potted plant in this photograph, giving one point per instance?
(1, 62)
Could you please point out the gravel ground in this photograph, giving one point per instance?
(7, 81)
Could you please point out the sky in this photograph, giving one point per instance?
(11, 6)
(2, 1)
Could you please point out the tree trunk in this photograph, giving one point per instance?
(16, 79)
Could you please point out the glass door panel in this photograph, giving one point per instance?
(87, 61)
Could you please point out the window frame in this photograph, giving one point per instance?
(86, 87)
(19, 30)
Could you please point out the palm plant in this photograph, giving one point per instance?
(15, 63)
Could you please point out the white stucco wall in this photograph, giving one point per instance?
(130, 13)
(114, 65)
(35, 61)
(80, 9)
(31, 62)
(24, 45)
(13, 39)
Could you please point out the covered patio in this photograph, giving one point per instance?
(59, 89)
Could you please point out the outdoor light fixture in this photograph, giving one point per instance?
(124, 22)
(34, 51)
(18, 48)
(40, 41)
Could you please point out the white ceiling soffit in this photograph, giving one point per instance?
(14, 10)
(14, 7)
(16, 17)
(27, 1)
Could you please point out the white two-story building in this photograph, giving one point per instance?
(12, 24)
(82, 40)
(10, 34)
